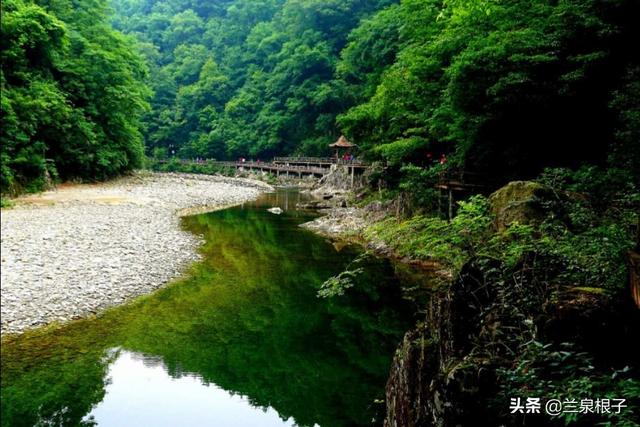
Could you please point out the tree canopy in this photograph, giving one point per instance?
(503, 86)
(506, 87)
(72, 94)
(243, 78)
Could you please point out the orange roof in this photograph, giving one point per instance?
(342, 142)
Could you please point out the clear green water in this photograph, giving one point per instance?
(242, 340)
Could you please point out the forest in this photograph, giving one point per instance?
(538, 100)
(73, 93)
(504, 88)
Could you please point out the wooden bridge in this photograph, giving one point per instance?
(279, 169)
(452, 180)
(449, 182)
(460, 181)
(287, 166)
(320, 162)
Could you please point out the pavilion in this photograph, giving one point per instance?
(341, 143)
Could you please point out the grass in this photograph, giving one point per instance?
(6, 203)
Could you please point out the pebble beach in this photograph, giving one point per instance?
(80, 249)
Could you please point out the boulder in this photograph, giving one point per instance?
(519, 201)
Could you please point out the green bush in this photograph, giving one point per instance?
(561, 372)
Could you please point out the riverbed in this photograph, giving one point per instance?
(243, 339)
(79, 249)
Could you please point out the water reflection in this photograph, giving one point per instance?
(243, 336)
(138, 382)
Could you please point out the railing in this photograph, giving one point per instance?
(458, 179)
(278, 162)
(304, 159)
(320, 160)
(279, 167)
(460, 175)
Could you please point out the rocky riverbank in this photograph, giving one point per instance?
(350, 224)
(79, 249)
(338, 223)
(513, 307)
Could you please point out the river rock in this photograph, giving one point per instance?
(80, 249)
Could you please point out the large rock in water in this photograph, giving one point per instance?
(519, 201)
(339, 178)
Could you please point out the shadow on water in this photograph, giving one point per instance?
(242, 340)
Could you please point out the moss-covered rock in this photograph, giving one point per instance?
(519, 201)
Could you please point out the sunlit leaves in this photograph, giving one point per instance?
(72, 94)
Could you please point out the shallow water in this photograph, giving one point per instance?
(242, 340)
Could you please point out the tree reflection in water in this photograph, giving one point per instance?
(246, 319)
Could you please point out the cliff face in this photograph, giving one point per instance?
(450, 369)
(434, 379)
(445, 371)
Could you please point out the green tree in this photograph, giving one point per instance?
(72, 95)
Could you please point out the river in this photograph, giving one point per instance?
(242, 340)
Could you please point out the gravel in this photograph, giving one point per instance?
(80, 249)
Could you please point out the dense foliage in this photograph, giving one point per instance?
(552, 308)
(243, 77)
(507, 87)
(510, 87)
(72, 94)
(503, 87)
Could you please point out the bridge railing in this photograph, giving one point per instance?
(276, 166)
(326, 160)
(461, 175)
(276, 160)
(302, 159)
(459, 179)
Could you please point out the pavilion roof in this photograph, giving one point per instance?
(342, 142)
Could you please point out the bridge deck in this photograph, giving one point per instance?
(296, 169)
(320, 161)
(461, 180)
(293, 168)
